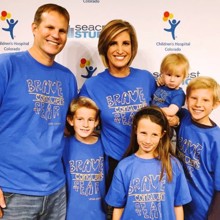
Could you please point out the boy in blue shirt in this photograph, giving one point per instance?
(84, 163)
(198, 147)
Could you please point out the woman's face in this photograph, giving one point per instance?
(119, 51)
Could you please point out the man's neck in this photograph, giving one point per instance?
(40, 57)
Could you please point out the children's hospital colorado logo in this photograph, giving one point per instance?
(170, 28)
(8, 25)
(173, 23)
(86, 64)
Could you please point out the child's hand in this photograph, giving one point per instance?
(160, 81)
(173, 120)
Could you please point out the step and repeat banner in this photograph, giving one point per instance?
(162, 26)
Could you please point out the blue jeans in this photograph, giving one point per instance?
(25, 207)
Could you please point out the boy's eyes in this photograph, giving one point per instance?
(79, 119)
(195, 98)
(90, 119)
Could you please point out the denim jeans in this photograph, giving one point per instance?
(25, 207)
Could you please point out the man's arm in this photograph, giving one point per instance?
(2, 203)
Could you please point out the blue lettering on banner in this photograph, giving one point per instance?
(84, 31)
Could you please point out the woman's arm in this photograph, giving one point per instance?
(117, 213)
(179, 212)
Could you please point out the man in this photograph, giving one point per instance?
(35, 92)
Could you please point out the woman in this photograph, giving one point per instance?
(120, 90)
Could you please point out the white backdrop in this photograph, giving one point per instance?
(197, 34)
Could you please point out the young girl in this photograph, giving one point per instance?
(149, 183)
(84, 163)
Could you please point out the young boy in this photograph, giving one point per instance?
(84, 163)
(198, 147)
(170, 97)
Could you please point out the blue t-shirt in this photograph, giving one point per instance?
(164, 97)
(199, 150)
(119, 99)
(84, 166)
(34, 100)
(136, 187)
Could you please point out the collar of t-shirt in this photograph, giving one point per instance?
(204, 126)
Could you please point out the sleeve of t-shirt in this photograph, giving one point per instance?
(83, 91)
(5, 68)
(178, 99)
(116, 195)
(73, 86)
(215, 160)
(182, 193)
(182, 113)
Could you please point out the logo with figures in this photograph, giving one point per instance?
(9, 23)
(173, 23)
(86, 64)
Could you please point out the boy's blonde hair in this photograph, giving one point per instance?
(204, 82)
(173, 60)
(74, 106)
(83, 102)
